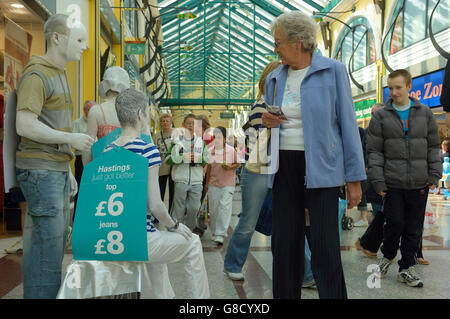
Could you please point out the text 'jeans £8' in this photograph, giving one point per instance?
(46, 227)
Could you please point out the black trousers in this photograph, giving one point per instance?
(162, 188)
(290, 198)
(405, 214)
(373, 237)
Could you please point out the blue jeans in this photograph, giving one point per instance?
(254, 189)
(45, 233)
(308, 275)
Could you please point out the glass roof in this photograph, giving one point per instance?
(217, 49)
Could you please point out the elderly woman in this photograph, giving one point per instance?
(317, 150)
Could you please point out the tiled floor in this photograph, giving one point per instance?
(258, 269)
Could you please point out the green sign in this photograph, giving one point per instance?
(225, 115)
(362, 108)
(135, 48)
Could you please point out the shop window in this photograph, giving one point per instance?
(441, 20)
(360, 40)
(415, 21)
(411, 22)
(397, 36)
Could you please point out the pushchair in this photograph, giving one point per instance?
(346, 221)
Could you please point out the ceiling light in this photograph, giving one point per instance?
(17, 5)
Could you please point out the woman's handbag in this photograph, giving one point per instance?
(264, 224)
(262, 143)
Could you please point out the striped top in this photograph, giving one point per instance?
(149, 151)
(255, 121)
(55, 111)
(138, 146)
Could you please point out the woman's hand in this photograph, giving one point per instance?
(270, 120)
(354, 194)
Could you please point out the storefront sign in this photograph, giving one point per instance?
(111, 215)
(225, 115)
(363, 108)
(427, 89)
(135, 48)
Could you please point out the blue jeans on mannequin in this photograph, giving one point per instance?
(46, 228)
(254, 190)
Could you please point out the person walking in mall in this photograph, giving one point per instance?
(370, 241)
(314, 94)
(253, 186)
(163, 140)
(362, 206)
(187, 154)
(403, 153)
(220, 184)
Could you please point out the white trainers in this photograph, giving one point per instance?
(218, 239)
(234, 275)
(410, 277)
(309, 284)
(361, 223)
(17, 247)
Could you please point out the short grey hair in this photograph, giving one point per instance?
(128, 103)
(56, 23)
(296, 26)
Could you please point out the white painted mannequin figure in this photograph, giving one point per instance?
(177, 243)
(44, 154)
(102, 118)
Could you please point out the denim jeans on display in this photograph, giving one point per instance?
(254, 189)
(45, 232)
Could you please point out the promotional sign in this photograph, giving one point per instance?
(111, 214)
(426, 88)
(101, 144)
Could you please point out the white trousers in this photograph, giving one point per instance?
(168, 247)
(220, 201)
(186, 203)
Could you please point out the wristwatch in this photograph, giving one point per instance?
(175, 227)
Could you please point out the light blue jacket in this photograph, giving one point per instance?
(333, 150)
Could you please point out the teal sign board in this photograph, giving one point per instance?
(135, 48)
(111, 215)
(101, 144)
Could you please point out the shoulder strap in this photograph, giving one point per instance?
(43, 78)
(104, 118)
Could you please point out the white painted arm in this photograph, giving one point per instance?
(28, 125)
(156, 205)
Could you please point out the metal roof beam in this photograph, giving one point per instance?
(168, 36)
